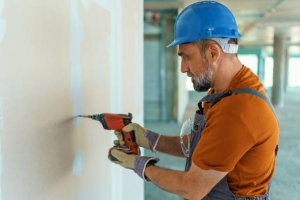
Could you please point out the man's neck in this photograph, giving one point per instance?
(225, 74)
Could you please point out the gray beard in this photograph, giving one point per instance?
(203, 82)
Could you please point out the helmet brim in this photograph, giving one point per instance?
(172, 44)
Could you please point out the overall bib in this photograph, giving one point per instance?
(221, 191)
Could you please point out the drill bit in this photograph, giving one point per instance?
(97, 117)
(86, 116)
(94, 117)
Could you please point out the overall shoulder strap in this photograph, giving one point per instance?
(254, 92)
(215, 98)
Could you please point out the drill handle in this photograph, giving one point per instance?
(130, 141)
(130, 134)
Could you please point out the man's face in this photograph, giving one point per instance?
(196, 66)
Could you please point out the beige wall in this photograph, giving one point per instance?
(59, 59)
(183, 97)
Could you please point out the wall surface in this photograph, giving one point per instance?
(182, 95)
(59, 59)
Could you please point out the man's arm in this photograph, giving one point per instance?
(194, 184)
(170, 145)
(154, 141)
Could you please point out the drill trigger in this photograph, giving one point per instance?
(132, 136)
(123, 148)
(123, 136)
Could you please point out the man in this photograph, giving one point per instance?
(235, 131)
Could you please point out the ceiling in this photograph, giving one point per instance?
(258, 20)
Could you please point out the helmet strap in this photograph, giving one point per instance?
(226, 47)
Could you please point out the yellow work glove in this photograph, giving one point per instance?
(132, 161)
(123, 159)
(144, 138)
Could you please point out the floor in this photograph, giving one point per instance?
(286, 181)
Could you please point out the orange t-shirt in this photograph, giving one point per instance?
(240, 137)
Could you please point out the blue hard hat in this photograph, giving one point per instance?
(203, 20)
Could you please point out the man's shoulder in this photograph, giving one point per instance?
(241, 103)
(242, 98)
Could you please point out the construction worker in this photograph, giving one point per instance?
(234, 137)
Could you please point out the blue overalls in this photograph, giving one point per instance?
(221, 191)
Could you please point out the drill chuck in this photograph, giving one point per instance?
(97, 117)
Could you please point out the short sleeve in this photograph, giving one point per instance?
(226, 136)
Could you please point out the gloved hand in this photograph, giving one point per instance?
(132, 161)
(144, 138)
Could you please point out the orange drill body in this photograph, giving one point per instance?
(116, 122)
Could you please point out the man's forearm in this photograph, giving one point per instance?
(169, 145)
(193, 184)
(168, 180)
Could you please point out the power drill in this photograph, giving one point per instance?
(116, 122)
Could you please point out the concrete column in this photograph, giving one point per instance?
(278, 71)
(163, 98)
(286, 69)
(261, 68)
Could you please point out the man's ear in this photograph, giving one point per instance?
(213, 53)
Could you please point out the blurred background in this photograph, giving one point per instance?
(270, 47)
(62, 58)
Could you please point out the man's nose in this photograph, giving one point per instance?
(184, 67)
